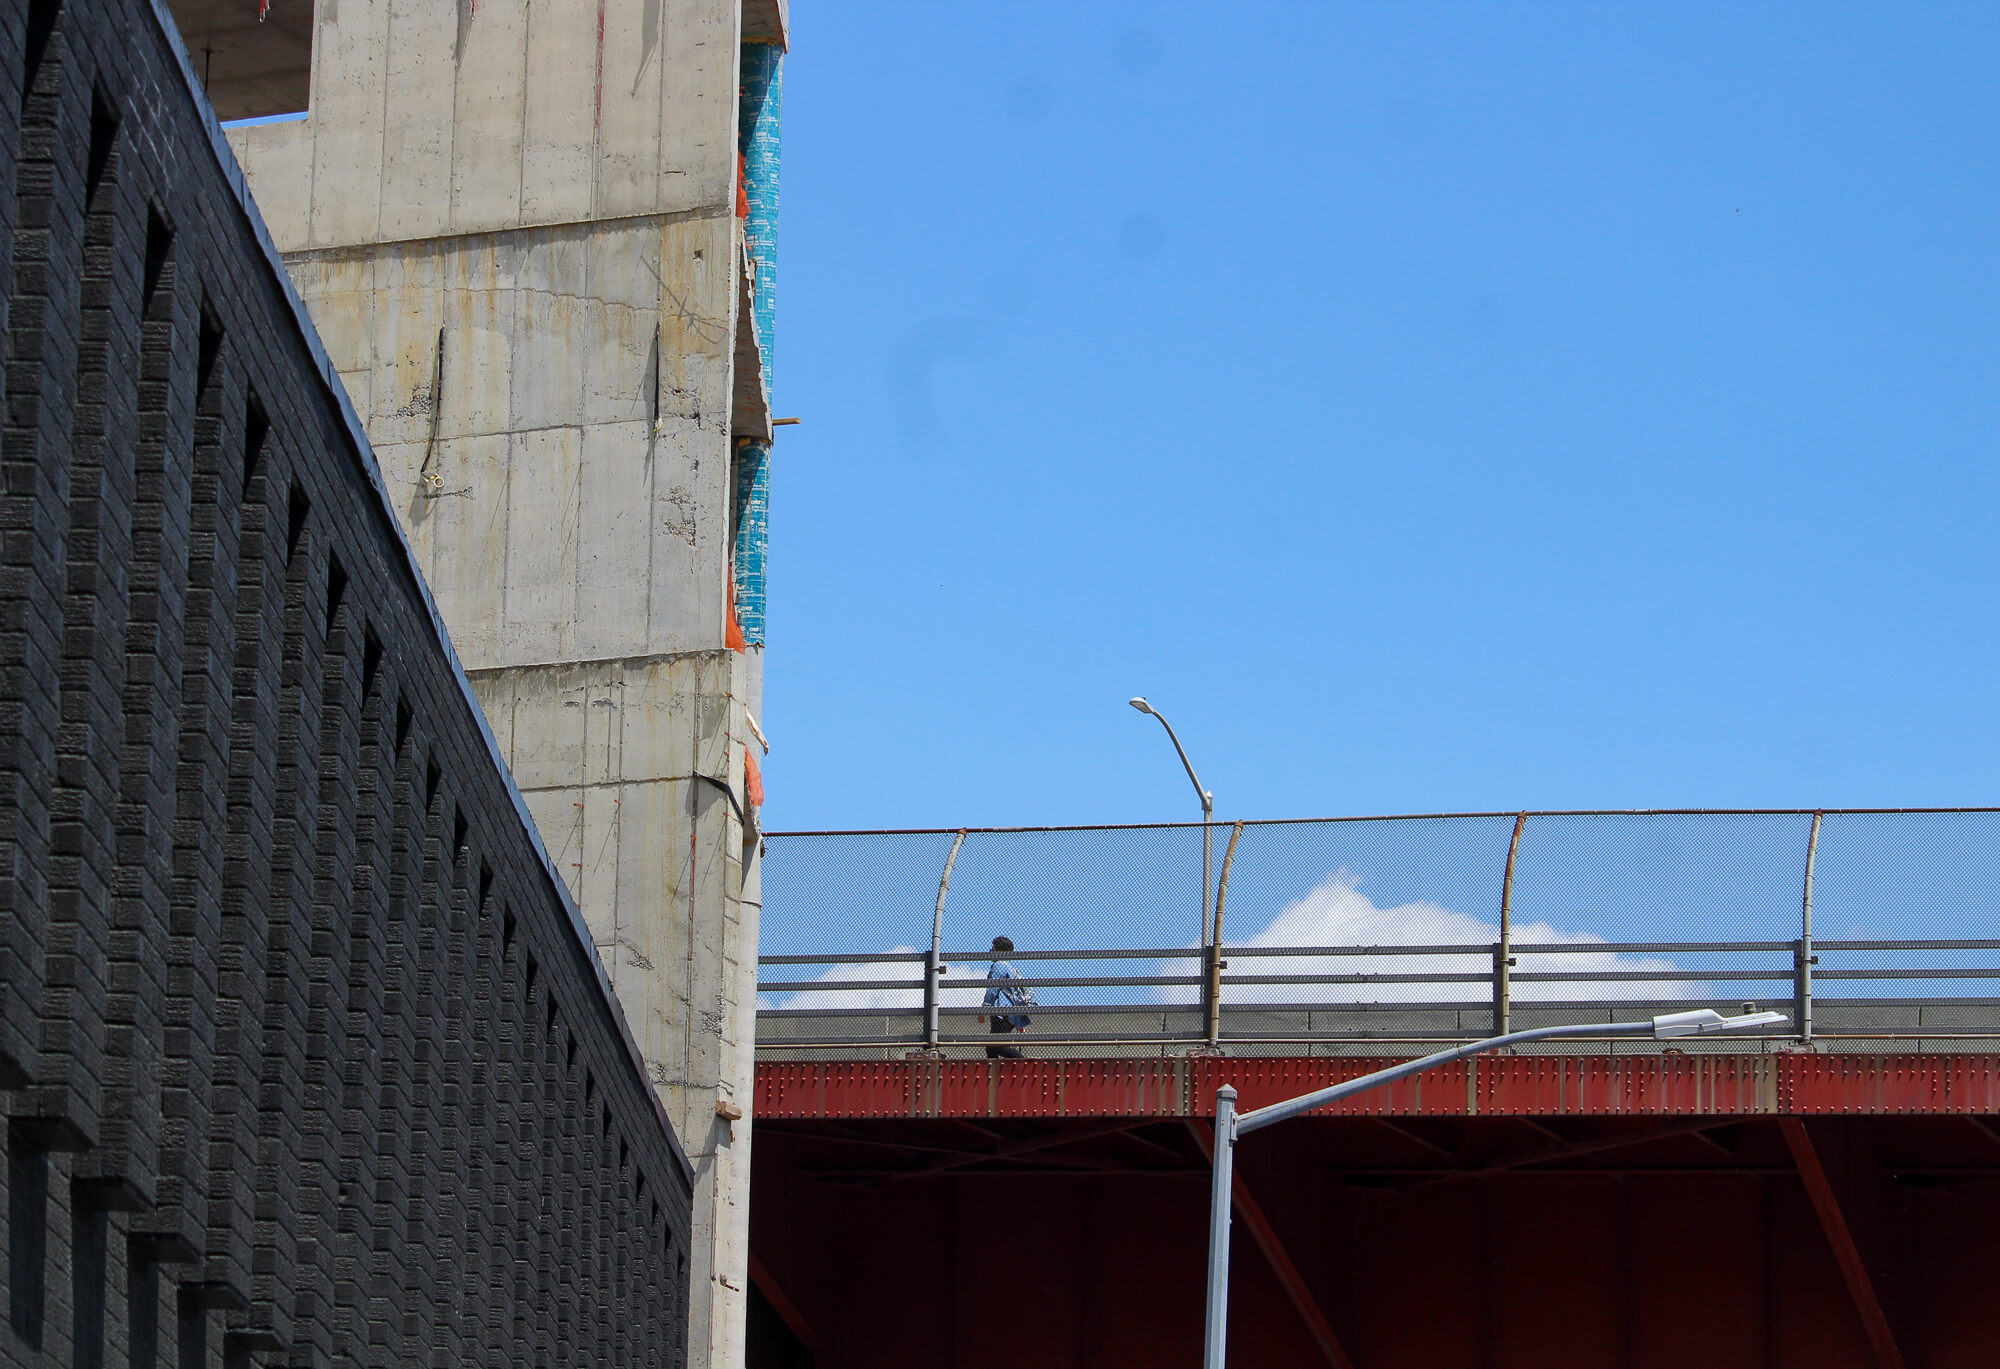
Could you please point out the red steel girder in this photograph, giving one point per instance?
(1524, 1086)
(1840, 1240)
(781, 1303)
(1297, 1290)
(974, 1088)
(1956, 1084)
(1796, 1083)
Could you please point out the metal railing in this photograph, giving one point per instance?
(1593, 916)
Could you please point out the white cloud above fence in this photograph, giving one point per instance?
(884, 1000)
(1336, 913)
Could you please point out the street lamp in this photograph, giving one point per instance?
(1207, 805)
(1230, 1124)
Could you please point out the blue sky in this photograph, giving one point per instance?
(1428, 406)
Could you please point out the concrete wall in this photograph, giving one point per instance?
(432, 118)
(566, 489)
(517, 228)
(622, 764)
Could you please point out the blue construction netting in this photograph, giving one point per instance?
(758, 118)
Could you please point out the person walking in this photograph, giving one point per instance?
(1000, 995)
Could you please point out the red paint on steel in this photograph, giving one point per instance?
(781, 1303)
(1636, 1085)
(1634, 1244)
(967, 1088)
(1646, 1085)
(1297, 1290)
(1891, 1084)
(1446, 1090)
(1840, 1239)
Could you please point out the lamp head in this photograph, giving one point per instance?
(1703, 1021)
(1141, 704)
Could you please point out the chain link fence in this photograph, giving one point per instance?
(1874, 929)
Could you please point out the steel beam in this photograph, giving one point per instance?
(1008, 1150)
(1589, 1146)
(1406, 1134)
(1745, 1085)
(873, 1177)
(1266, 1236)
(1846, 1254)
(787, 1310)
(1984, 1128)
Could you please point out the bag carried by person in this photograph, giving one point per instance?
(1023, 997)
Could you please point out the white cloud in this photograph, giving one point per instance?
(882, 1000)
(1337, 913)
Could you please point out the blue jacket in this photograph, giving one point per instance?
(1011, 996)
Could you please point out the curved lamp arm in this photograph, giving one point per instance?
(1207, 799)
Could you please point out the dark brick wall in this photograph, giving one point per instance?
(303, 1053)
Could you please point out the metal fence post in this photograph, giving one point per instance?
(1503, 949)
(1212, 988)
(1803, 959)
(1207, 851)
(934, 962)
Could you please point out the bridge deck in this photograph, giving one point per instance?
(1788, 1210)
(1785, 1083)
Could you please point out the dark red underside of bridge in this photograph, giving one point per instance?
(1842, 1212)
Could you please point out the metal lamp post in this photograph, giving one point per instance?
(1207, 806)
(1230, 1124)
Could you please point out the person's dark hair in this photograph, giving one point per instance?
(1001, 943)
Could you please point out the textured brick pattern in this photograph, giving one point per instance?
(304, 1057)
